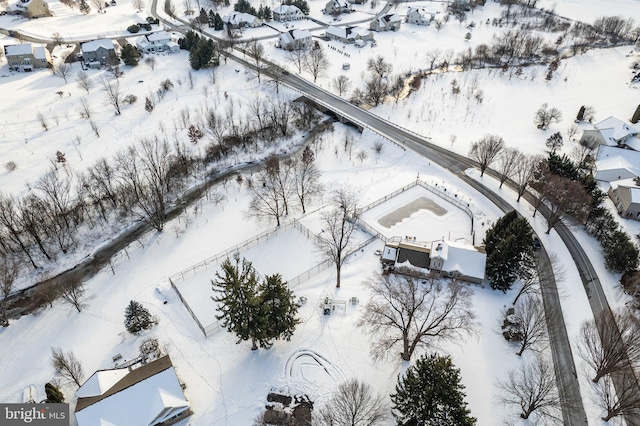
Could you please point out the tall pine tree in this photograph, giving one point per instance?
(278, 308)
(137, 318)
(260, 312)
(130, 55)
(430, 393)
(509, 247)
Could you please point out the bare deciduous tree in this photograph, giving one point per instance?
(407, 312)
(564, 196)
(524, 173)
(610, 343)
(618, 395)
(546, 115)
(72, 291)
(255, 50)
(67, 366)
(533, 390)
(316, 62)
(57, 38)
(138, 4)
(10, 225)
(9, 270)
(341, 84)
(271, 192)
(338, 223)
(298, 58)
(306, 178)
(530, 317)
(114, 96)
(98, 4)
(85, 109)
(63, 71)
(486, 150)
(151, 61)
(43, 121)
(379, 67)
(508, 161)
(83, 80)
(354, 404)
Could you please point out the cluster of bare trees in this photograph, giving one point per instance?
(313, 60)
(267, 120)
(605, 30)
(610, 345)
(284, 185)
(140, 181)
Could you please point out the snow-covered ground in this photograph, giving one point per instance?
(227, 383)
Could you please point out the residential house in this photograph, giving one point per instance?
(31, 9)
(458, 260)
(148, 395)
(613, 164)
(156, 42)
(389, 22)
(612, 132)
(96, 52)
(625, 194)
(419, 16)
(348, 35)
(454, 259)
(25, 57)
(336, 7)
(295, 40)
(287, 12)
(238, 20)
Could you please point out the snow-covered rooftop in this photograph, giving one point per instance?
(616, 163)
(613, 129)
(92, 46)
(286, 8)
(463, 258)
(158, 36)
(148, 395)
(18, 49)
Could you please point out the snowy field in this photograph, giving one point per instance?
(226, 382)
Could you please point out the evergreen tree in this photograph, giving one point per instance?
(242, 6)
(137, 318)
(211, 17)
(203, 17)
(54, 395)
(580, 116)
(189, 40)
(84, 7)
(218, 23)
(278, 308)
(236, 292)
(509, 247)
(621, 254)
(260, 312)
(430, 393)
(130, 55)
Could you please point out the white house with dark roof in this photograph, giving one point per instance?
(241, 20)
(156, 42)
(295, 40)
(97, 51)
(337, 7)
(26, 57)
(419, 16)
(348, 35)
(612, 132)
(389, 22)
(287, 12)
(148, 395)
